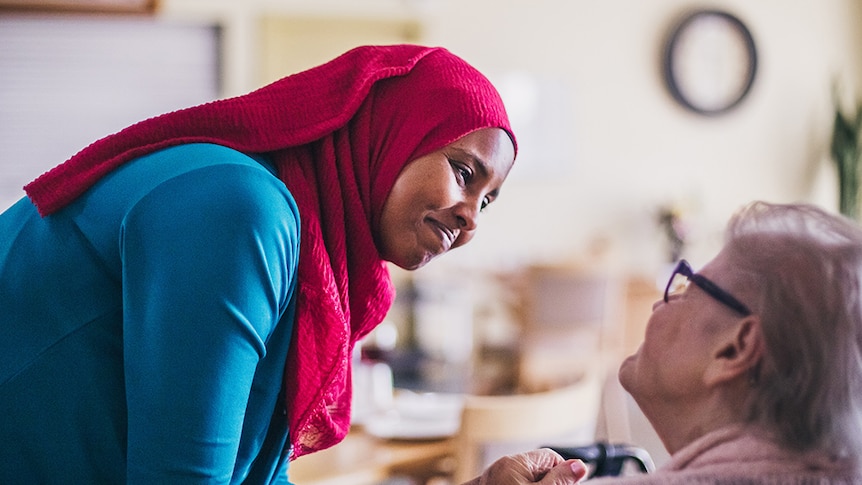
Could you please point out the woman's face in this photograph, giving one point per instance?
(681, 339)
(435, 203)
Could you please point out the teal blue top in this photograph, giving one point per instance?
(144, 328)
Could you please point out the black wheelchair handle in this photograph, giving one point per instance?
(607, 459)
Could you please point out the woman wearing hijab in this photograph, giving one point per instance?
(179, 300)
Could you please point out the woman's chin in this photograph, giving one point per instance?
(626, 370)
(412, 264)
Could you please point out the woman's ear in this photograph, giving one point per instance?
(737, 353)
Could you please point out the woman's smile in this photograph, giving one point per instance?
(446, 235)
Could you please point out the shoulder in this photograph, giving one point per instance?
(204, 161)
(198, 181)
(223, 214)
(212, 184)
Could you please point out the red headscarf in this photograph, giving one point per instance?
(339, 134)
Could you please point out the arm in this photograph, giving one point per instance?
(207, 262)
(538, 466)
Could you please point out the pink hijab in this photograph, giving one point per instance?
(339, 134)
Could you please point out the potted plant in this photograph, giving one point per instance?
(846, 151)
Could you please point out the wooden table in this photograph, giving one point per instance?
(362, 459)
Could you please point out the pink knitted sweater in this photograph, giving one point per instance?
(737, 455)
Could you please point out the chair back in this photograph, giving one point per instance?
(571, 318)
(525, 419)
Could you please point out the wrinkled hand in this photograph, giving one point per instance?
(543, 466)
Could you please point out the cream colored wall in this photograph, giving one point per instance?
(619, 146)
(631, 148)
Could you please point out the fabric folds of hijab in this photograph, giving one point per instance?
(339, 135)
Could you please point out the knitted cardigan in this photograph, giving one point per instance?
(740, 455)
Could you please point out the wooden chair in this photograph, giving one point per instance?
(570, 319)
(528, 420)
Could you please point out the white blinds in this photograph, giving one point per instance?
(66, 81)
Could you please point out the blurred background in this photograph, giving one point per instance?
(604, 146)
(614, 181)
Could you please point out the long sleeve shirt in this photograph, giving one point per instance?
(144, 328)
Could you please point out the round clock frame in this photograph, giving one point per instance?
(710, 61)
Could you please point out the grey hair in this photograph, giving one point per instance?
(803, 268)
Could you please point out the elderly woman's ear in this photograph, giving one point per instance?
(737, 353)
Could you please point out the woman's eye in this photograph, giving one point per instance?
(485, 202)
(463, 172)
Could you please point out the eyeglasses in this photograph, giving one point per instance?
(683, 274)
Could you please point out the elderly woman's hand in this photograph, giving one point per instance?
(538, 466)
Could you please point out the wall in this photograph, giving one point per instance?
(613, 146)
(67, 81)
(631, 148)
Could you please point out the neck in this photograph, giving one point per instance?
(680, 423)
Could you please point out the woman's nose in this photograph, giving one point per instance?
(468, 216)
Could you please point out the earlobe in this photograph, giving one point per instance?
(738, 354)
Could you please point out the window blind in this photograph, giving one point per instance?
(67, 80)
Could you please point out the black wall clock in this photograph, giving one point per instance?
(710, 61)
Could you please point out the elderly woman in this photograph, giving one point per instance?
(751, 368)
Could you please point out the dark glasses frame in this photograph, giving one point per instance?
(713, 290)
